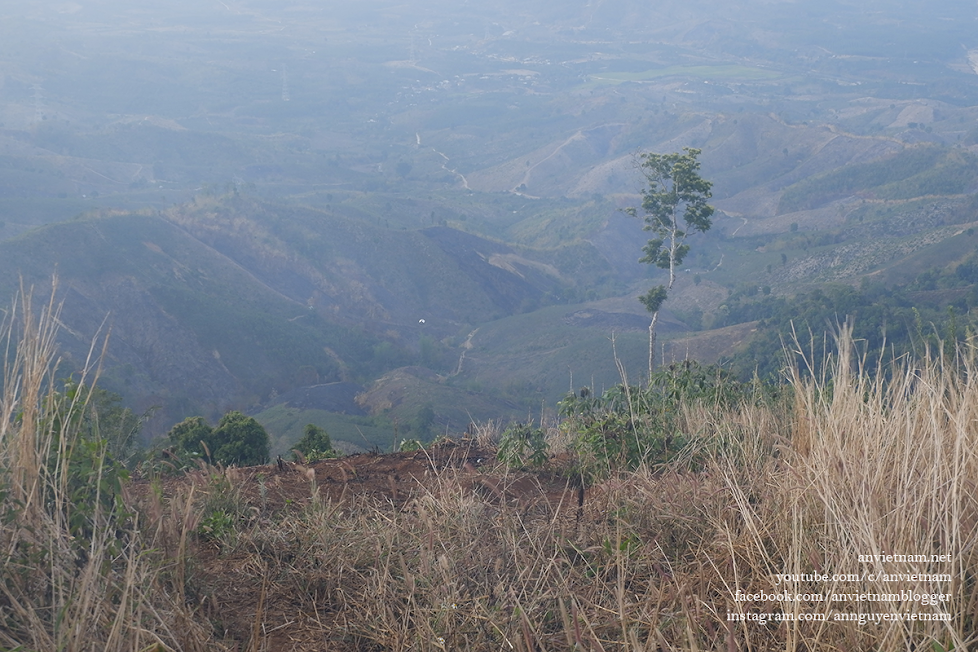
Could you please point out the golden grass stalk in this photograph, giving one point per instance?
(880, 464)
(61, 588)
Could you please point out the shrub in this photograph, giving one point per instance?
(628, 427)
(91, 478)
(238, 439)
(315, 444)
(522, 446)
(191, 436)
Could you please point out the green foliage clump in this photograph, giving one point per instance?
(315, 444)
(224, 509)
(190, 437)
(522, 446)
(104, 417)
(216, 526)
(238, 439)
(82, 452)
(629, 427)
(654, 298)
(409, 446)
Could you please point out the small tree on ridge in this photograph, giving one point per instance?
(675, 191)
(315, 444)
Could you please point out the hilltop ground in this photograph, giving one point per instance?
(234, 597)
(391, 480)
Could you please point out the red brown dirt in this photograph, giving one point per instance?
(392, 479)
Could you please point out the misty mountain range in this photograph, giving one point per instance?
(262, 197)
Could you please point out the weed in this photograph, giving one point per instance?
(217, 526)
(409, 446)
(628, 427)
(522, 446)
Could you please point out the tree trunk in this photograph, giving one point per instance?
(655, 318)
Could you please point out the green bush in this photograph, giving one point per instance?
(104, 417)
(238, 439)
(627, 427)
(191, 436)
(81, 454)
(315, 444)
(522, 446)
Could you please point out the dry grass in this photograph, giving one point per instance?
(57, 591)
(873, 467)
(650, 561)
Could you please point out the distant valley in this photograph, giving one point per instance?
(392, 223)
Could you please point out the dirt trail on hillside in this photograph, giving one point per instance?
(466, 346)
(444, 166)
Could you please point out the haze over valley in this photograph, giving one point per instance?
(376, 215)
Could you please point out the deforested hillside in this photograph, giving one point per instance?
(190, 329)
(228, 303)
(361, 272)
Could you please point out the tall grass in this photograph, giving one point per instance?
(877, 465)
(75, 572)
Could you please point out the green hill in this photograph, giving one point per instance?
(914, 172)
